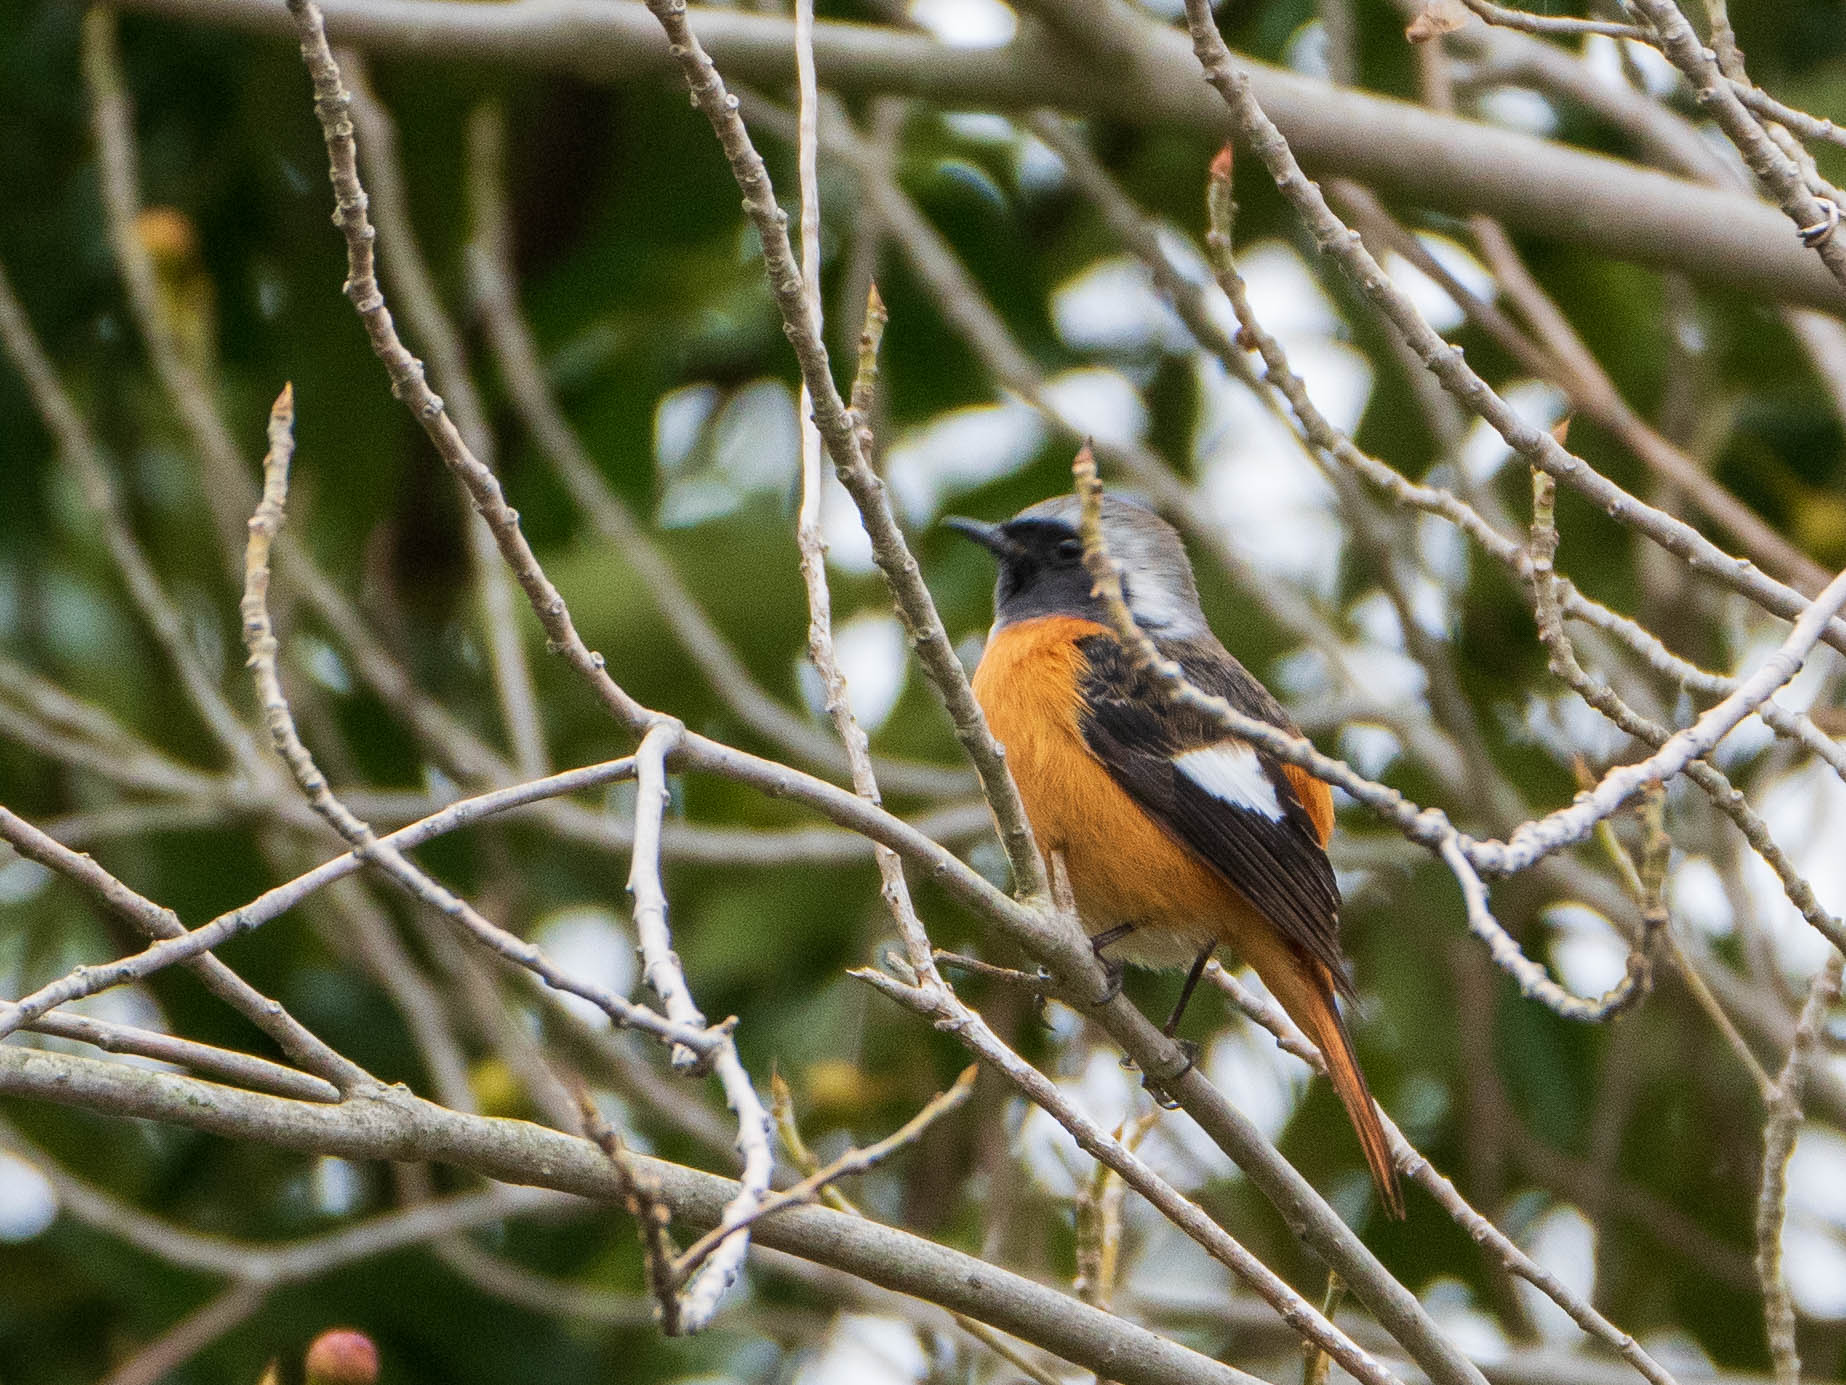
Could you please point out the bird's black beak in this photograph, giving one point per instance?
(992, 537)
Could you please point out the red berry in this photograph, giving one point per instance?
(342, 1356)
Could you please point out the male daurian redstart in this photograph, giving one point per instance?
(1175, 837)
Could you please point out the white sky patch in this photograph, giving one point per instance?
(1602, 56)
(680, 417)
(1255, 482)
(1518, 108)
(1812, 679)
(1036, 169)
(1186, 261)
(1368, 748)
(1759, 641)
(1431, 299)
(1100, 403)
(966, 23)
(1184, 256)
(28, 1203)
(1750, 738)
(1430, 606)
(1338, 379)
(752, 443)
(1289, 303)
(1379, 664)
(1484, 451)
(1386, 676)
(1234, 774)
(324, 663)
(1302, 674)
(1679, 1352)
(849, 547)
(1698, 900)
(131, 1005)
(439, 786)
(1046, 1148)
(1064, 1024)
(756, 438)
(1284, 294)
(871, 651)
(1721, 149)
(592, 944)
(1459, 261)
(1564, 725)
(1814, 1240)
(1269, 1084)
(1814, 1262)
(981, 127)
(1173, 1270)
(1805, 811)
(1443, 550)
(1308, 51)
(21, 880)
(1817, 1175)
(865, 1349)
(1112, 305)
(1563, 1242)
(1585, 948)
(957, 451)
(1451, 1305)
(336, 1187)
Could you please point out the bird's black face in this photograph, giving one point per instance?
(1041, 568)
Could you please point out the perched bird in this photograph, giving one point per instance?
(1176, 838)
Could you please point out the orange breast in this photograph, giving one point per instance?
(1123, 867)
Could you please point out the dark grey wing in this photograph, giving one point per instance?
(1219, 796)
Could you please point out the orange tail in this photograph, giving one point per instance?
(1307, 995)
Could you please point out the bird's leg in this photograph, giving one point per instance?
(1171, 1029)
(1112, 970)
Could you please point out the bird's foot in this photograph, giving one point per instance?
(1164, 1098)
(1111, 969)
(1111, 981)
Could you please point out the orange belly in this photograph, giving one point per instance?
(1123, 867)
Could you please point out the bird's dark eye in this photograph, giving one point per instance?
(1070, 550)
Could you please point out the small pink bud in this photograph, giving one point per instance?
(342, 1356)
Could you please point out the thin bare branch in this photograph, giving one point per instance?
(259, 637)
(332, 105)
(1779, 1134)
(851, 1164)
(429, 322)
(516, 354)
(218, 1315)
(258, 1074)
(844, 446)
(301, 1046)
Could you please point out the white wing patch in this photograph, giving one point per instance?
(1231, 771)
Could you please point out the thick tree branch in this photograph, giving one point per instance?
(1530, 184)
(391, 1124)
